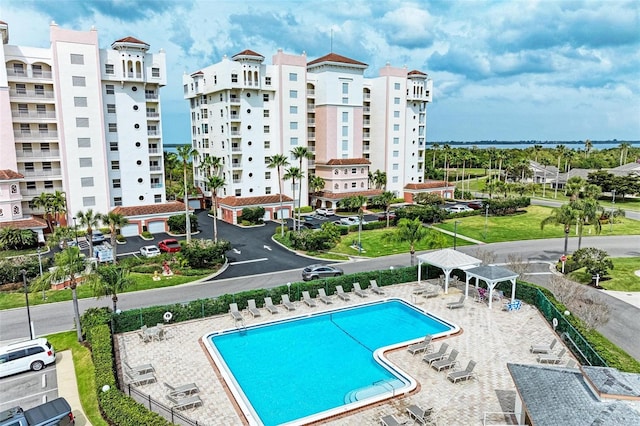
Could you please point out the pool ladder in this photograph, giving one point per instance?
(241, 326)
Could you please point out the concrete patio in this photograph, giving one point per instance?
(491, 337)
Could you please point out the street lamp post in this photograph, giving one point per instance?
(486, 219)
(44, 294)
(26, 296)
(613, 209)
(75, 230)
(455, 234)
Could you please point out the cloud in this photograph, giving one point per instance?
(408, 27)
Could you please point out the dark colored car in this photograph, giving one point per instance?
(476, 205)
(169, 245)
(313, 272)
(383, 217)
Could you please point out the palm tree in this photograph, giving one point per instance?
(115, 222)
(214, 183)
(301, 153)
(385, 199)
(624, 150)
(186, 153)
(294, 173)
(43, 202)
(566, 216)
(90, 220)
(447, 151)
(61, 234)
(412, 232)
(109, 280)
(434, 147)
(58, 205)
(588, 212)
(278, 161)
(560, 150)
(316, 183)
(211, 165)
(573, 187)
(68, 266)
(359, 201)
(380, 179)
(536, 150)
(500, 156)
(588, 145)
(545, 163)
(464, 156)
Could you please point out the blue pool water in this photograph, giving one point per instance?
(295, 368)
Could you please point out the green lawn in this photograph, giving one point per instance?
(15, 299)
(623, 277)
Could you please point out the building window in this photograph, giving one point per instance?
(86, 162)
(88, 201)
(267, 81)
(113, 127)
(293, 76)
(113, 146)
(79, 101)
(29, 167)
(14, 189)
(117, 201)
(396, 114)
(396, 127)
(396, 101)
(267, 190)
(267, 129)
(345, 100)
(353, 185)
(293, 125)
(46, 166)
(115, 183)
(394, 179)
(77, 59)
(155, 72)
(78, 81)
(16, 210)
(395, 166)
(86, 181)
(111, 108)
(293, 141)
(238, 192)
(108, 69)
(354, 171)
(396, 141)
(265, 97)
(21, 89)
(18, 69)
(345, 117)
(293, 94)
(293, 109)
(111, 90)
(82, 122)
(396, 154)
(267, 175)
(31, 185)
(345, 88)
(345, 131)
(267, 144)
(396, 86)
(157, 198)
(345, 145)
(115, 165)
(84, 142)
(234, 78)
(26, 147)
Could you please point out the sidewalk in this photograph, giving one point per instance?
(457, 235)
(68, 386)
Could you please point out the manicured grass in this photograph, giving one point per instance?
(526, 226)
(85, 374)
(15, 253)
(15, 299)
(623, 277)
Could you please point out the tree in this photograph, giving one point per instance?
(536, 150)
(115, 222)
(215, 183)
(624, 151)
(587, 212)
(278, 161)
(58, 204)
(574, 187)
(301, 153)
(588, 146)
(594, 260)
(90, 220)
(211, 166)
(109, 280)
(427, 198)
(62, 234)
(43, 202)
(294, 173)
(412, 232)
(16, 239)
(385, 199)
(434, 148)
(186, 153)
(566, 216)
(379, 179)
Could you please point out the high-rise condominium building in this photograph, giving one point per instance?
(244, 111)
(82, 121)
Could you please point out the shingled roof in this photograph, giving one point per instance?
(234, 201)
(8, 174)
(247, 52)
(151, 209)
(346, 161)
(130, 39)
(30, 223)
(334, 57)
(426, 185)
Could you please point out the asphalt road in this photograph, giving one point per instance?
(622, 329)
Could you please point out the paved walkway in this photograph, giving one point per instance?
(68, 386)
(490, 337)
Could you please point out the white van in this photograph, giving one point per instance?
(29, 355)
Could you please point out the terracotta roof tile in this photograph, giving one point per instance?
(130, 40)
(416, 72)
(150, 209)
(247, 52)
(341, 195)
(346, 161)
(2, 22)
(197, 73)
(334, 57)
(426, 185)
(8, 174)
(234, 201)
(30, 223)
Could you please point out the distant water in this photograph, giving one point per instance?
(577, 145)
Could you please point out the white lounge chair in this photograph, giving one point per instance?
(447, 363)
(323, 296)
(268, 304)
(375, 288)
(436, 356)
(432, 291)
(391, 420)
(253, 309)
(139, 379)
(359, 291)
(139, 369)
(187, 389)
(544, 348)
(287, 303)
(184, 403)
(551, 358)
(419, 415)
(424, 346)
(235, 313)
(306, 298)
(341, 294)
(465, 374)
(458, 304)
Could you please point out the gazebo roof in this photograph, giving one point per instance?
(449, 259)
(492, 273)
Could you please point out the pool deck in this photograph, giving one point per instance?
(491, 337)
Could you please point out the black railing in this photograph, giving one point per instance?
(151, 404)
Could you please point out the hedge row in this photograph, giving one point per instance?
(117, 408)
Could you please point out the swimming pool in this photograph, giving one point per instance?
(306, 368)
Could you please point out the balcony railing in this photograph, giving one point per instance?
(35, 135)
(366, 96)
(38, 154)
(311, 135)
(134, 75)
(154, 151)
(311, 121)
(156, 185)
(155, 168)
(34, 115)
(35, 74)
(366, 109)
(311, 92)
(237, 181)
(38, 94)
(39, 191)
(234, 100)
(153, 132)
(37, 173)
(366, 122)
(236, 148)
(153, 115)
(311, 108)
(236, 165)
(151, 96)
(235, 133)
(234, 117)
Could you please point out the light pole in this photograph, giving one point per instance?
(486, 219)
(455, 234)
(289, 290)
(26, 296)
(44, 294)
(75, 230)
(613, 208)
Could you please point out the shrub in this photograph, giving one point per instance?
(593, 260)
(426, 214)
(253, 215)
(506, 206)
(147, 235)
(204, 253)
(120, 238)
(177, 223)
(95, 316)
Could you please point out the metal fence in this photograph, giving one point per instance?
(151, 404)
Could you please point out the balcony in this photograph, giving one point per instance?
(153, 132)
(311, 92)
(366, 110)
(34, 115)
(236, 165)
(41, 173)
(155, 151)
(235, 133)
(366, 96)
(34, 94)
(134, 75)
(38, 154)
(155, 168)
(311, 108)
(151, 96)
(155, 115)
(236, 148)
(234, 116)
(237, 181)
(366, 122)
(311, 135)
(366, 147)
(366, 135)
(156, 185)
(311, 121)
(35, 135)
(234, 100)
(38, 191)
(35, 74)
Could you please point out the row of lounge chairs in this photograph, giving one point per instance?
(140, 374)
(440, 360)
(183, 396)
(546, 355)
(416, 415)
(306, 299)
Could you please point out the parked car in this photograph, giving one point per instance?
(70, 243)
(149, 251)
(313, 272)
(325, 212)
(383, 217)
(475, 205)
(28, 355)
(97, 237)
(55, 412)
(458, 208)
(352, 220)
(169, 245)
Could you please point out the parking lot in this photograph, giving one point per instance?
(28, 389)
